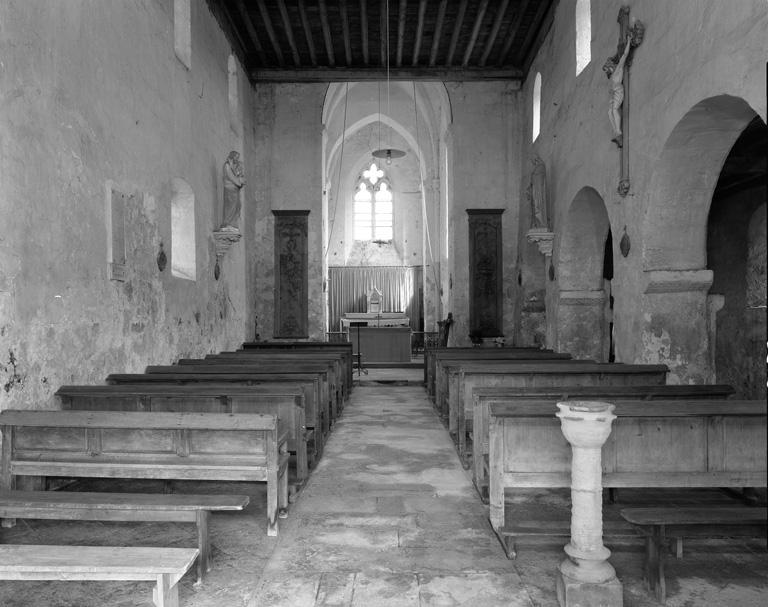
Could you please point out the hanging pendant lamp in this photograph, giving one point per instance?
(387, 153)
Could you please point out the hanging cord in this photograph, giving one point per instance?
(423, 189)
(338, 181)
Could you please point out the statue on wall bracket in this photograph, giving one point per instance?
(616, 68)
(538, 199)
(228, 232)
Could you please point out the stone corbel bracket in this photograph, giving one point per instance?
(543, 239)
(224, 239)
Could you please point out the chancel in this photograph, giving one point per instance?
(383, 303)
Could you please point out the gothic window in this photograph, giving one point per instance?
(536, 106)
(373, 206)
(583, 34)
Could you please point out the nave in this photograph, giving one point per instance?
(388, 518)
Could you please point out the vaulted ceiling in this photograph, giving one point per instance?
(342, 40)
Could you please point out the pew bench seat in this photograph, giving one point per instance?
(158, 445)
(164, 566)
(659, 525)
(127, 507)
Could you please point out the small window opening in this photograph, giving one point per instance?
(583, 35)
(182, 31)
(536, 106)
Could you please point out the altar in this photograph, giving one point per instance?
(374, 319)
(381, 344)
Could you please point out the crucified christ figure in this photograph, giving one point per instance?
(615, 73)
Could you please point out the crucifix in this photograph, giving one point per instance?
(617, 70)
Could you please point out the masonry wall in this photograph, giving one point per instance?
(693, 51)
(94, 98)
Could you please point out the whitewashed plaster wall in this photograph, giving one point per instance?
(694, 50)
(484, 173)
(289, 139)
(93, 95)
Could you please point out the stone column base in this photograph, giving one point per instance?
(573, 593)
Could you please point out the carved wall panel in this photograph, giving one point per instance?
(291, 281)
(486, 281)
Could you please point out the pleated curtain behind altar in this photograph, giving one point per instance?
(400, 287)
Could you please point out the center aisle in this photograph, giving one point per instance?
(389, 517)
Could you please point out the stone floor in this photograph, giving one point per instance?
(388, 518)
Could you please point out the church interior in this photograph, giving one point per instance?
(401, 302)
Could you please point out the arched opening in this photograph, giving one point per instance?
(736, 254)
(585, 258)
(183, 261)
(679, 324)
(402, 234)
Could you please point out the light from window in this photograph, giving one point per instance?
(182, 31)
(183, 263)
(536, 106)
(373, 207)
(583, 35)
(234, 98)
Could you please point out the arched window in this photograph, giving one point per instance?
(583, 34)
(183, 264)
(536, 106)
(373, 206)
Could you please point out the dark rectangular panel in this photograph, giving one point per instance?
(291, 281)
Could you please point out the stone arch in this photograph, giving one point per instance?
(677, 325)
(582, 324)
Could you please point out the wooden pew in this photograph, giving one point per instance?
(483, 398)
(329, 395)
(334, 359)
(163, 566)
(659, 525)
(283, 400)
(433, 357)
(653, 443)
(142, 507)
(448, 359)
(321, 346)
(337, 375)
(539, 374)
(117, 444)
(316, 412)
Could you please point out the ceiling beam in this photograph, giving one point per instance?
(308, 33)
(455, 74)
(512, 32)
(419, 32)
(271, 32)
(438, 31)
(364, 30)
(542, 29)
(327, 33)
(456, 32)
(494, 32)
(246, 19)
(289, 32)
(475, 32)
(401, 17)
(345, 30)
(383, 31)
(533, 30)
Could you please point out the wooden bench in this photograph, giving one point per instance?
(435, 359)
(659, 525)
(653, 444)
(299, 361)
(142, 507)
(334, 360)
(283, 400)
(345, 348)
(328, 401)
(483, 398)
(180, 446)
(534, 375)
(164, 566)
(316, 411)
